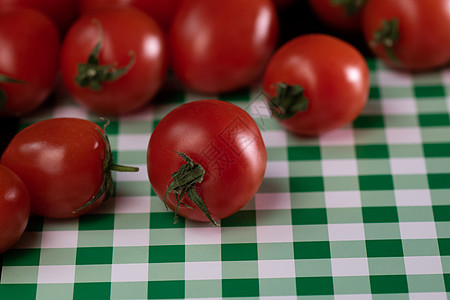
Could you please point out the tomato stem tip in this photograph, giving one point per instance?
(122, 168)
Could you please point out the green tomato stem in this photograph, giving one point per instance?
(91, 74)
(387, 36)
(122, 168)
(107, 188)
(184, 181)
(289, 100)
(351, 7)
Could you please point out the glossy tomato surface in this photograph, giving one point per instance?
(61, 162)
(130, 40)
(224, 140)
(222, 45)
(62, 13)
(163, 11)
(335, 84)
(29, 54)
(14, 208)
(340, 16)
(420, 38)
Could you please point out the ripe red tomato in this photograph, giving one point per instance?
(62, 13)
(312, 90)
(14, 208)
(342, 15)
(219, 154)
(114, 61)
(29, 60)
(409, 34)
(163, 11)
(65, 163)
(222, 45)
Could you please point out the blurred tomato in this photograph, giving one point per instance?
(14, 208)
(114, 61)
(29, 60)
(409, 34)
(340, 15)
(222, 45)
(162, 11)
(62, 12)
(311, 90)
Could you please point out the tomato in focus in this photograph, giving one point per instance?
(311, 90)
(26, 77)
(163, 11)
(222, 45)
(220, 138)
(409, 34)
(14, 208)
(65, 163)
(114, 61)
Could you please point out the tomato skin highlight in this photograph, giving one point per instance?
(336, 85)
(127, 32)
(203, 130)
(61, 162)
(424, 32)
(20, 31)
(222, 45)
(14, 208)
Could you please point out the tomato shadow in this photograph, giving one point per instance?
(299, 18)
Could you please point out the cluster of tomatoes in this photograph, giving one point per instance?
(205, 159)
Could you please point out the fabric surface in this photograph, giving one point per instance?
(362, 212)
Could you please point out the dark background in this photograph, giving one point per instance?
(295, 20)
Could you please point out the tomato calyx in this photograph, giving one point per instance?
(184, 181)
(351, 7)
(91, 74)
(289, 100)
(387, 36)
(6, 79)
(107, 188)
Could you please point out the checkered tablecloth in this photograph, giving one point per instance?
(362, 212)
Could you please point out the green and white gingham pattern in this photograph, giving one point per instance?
(362, 212)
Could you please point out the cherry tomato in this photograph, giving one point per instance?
(114, 61)
(310, 90)
(343, 15)
(14, 208)
(62, 13)
(29, 60)
(217, 152)
(163, 11)
(65, 163)
(409, 34)
(222, 45)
